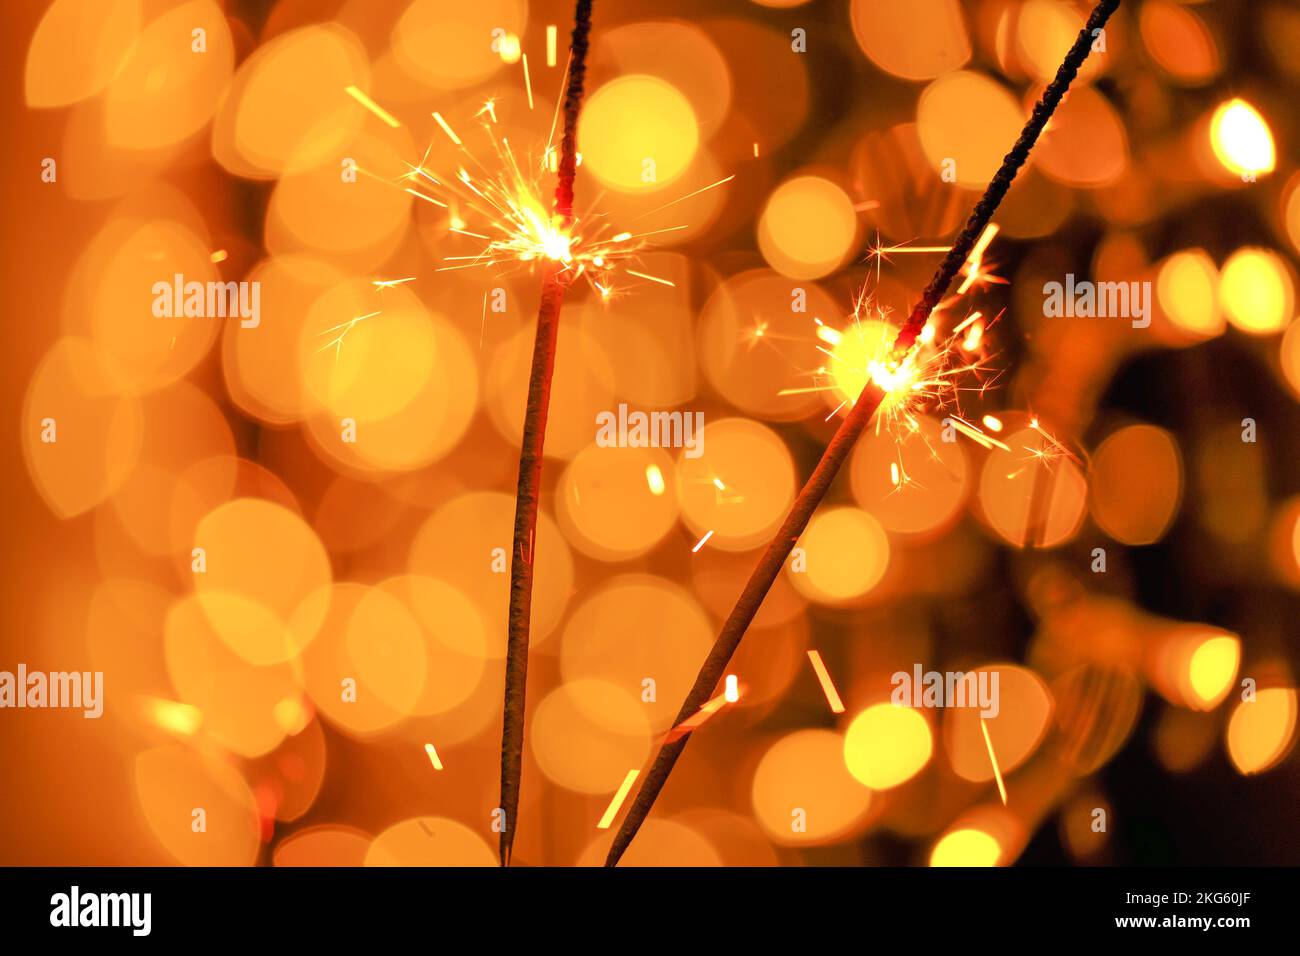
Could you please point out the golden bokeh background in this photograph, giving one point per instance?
(327, 686)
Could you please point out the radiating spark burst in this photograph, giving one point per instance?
(828, 686)
(997, 771)
(343, 328)
(498, 196)
(929, 377)
(1047, 454)
(433, 756)
(616, 803)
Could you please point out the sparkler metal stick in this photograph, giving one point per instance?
(523, 554)
(769, 566)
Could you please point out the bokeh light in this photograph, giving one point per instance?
(1257, 291)
(638, 133)
(887, 745)
(1241, 139)
(1261, 732)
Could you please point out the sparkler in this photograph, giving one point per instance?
(875, 391)
(554, 282)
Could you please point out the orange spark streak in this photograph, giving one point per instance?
(828, 687)
(615, 804)
(642, 275)
(451, 133)
(975, 435)
(976, 257)
(699, 544)
(433, 756)
(702, 189)
(551, 34)
(997, 771)
(416, 192)
(371, 105)
(693, 722)
(528, 83)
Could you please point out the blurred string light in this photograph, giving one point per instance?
(1241, 139)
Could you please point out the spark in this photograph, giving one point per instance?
(616, 803)
(391, 283)
(975, 435)
(694, 722)
(929, 376)
(703, 189)
(1047, 454)
(976, 259)
(828, 686)
(528, 83)
(515, 226)
(655, 479)
(433, 756)
(756, 150)
(992, 423)
(343, 328)
(720, 495)
(416, 192)
(997, 771)
(642, 275)
(451, 133)
(964, 323)
(699, 544)
(371, 105)
(498, 196)
(482, 324)
(732, 692)
(881, 252)
(219, 256)
(552, 33)
(926, 377)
